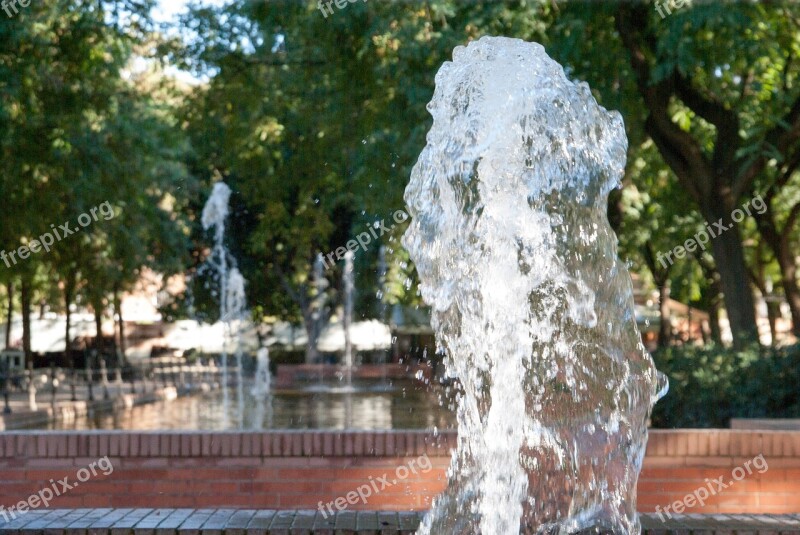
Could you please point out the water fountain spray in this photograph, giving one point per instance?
(383, 270)
(262, 389)
(263, 379)
(319, 316)
(530, 303)
(347, 283)
(232, 294)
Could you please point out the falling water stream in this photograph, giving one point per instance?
(530, 302)
(232, 300)
(347, 318)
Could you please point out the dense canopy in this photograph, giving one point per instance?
(315, 116)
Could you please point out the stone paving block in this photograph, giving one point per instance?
(170, 525)
(388, 522)
(303, 523)
(282, 522)
(38, 524)
(13, 525)
(237, 525)
(126, 524)
(409, 522)
(367, 522)
(148, 524)
(216, 523)
(346, 520)
(324, 524)
(57, 525)
(194, 522)
(260, 523)
(81, 526)
(102, 525)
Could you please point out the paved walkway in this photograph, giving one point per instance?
(252, 522)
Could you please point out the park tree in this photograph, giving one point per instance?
(744, 113)
(78, 133)
(713, 85)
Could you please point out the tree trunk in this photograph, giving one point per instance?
(68, 295)
(778, 242)
(9, 312)
(715, 295)
(789, 283)
(734, 280)
(760, 282)
(665, 327)
(120, 327)
(25, 300)
(715, 181)
(98, 326)
(713, 323)
(772, 317)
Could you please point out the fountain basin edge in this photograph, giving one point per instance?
(298, 469)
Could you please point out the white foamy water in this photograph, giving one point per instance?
(232, 298)
(530, 301)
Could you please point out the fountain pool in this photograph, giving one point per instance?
(409, 406)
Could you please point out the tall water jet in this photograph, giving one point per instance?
(529, 300)
(347, 320)
(235, 303)
(383, 270)
(319, 316)
(231, 282)
(262, 388)
(263, 378)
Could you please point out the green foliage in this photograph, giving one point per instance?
(80, 126)
(711, 385)
(317, 137)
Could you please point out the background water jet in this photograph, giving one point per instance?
(529, 301)
(232, 299)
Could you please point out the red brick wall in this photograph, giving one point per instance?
(678, 462)
(287, 470)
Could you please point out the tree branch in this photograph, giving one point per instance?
(679, 149)
(659, 276)
(780, 138)
(794, 214)
(788, 170)
(714, 111)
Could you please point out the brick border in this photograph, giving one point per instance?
(297, 469)
(699, 443)
(694, 445)
(182, 444)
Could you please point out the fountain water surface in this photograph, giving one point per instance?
(530, 302)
